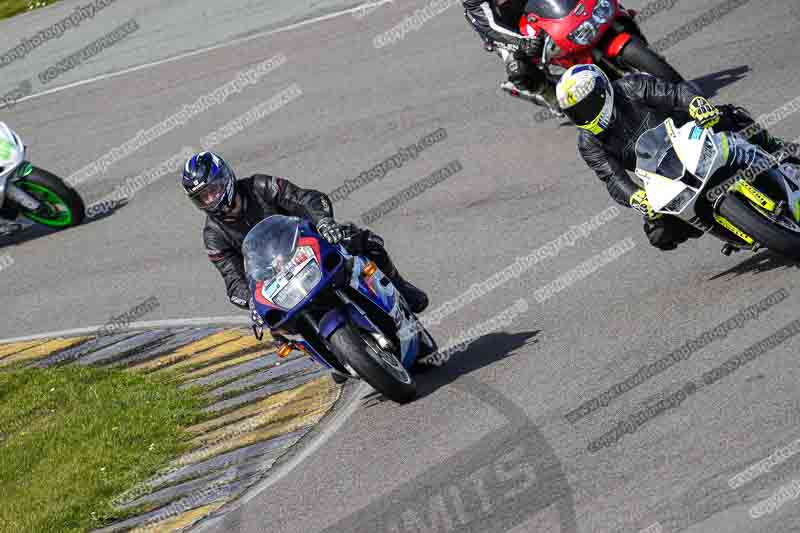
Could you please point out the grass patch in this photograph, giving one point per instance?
(9, 8)
(72, 438)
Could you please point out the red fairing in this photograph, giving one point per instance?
(313, 243)
(526, 28)
(616, 44)
(260, 298)
(559, 30)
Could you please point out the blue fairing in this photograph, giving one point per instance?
(332, 320)
(325, 250)
(382, 297)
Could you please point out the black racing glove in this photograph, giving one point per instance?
(330, 230)
(666, 233)
(530, 46)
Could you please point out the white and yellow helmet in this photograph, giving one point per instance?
(586, 96)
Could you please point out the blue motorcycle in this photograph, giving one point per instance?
(340, 308)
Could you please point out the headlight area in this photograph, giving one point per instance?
(681, 201)
(586, 33)
(299, 286)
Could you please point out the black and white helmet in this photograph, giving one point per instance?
(586, 96)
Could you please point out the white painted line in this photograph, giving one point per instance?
(306, 450)
(134, 326)
(200, 51)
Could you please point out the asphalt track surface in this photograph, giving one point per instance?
(487, 447)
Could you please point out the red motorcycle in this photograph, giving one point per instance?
(592, 31)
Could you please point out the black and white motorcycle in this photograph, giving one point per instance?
(685, 174)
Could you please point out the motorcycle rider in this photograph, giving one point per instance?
(234, 206)
(612, 116)
(496, 23)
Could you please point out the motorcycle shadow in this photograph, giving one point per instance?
(765, 261)
(482, 352)
(36, 231)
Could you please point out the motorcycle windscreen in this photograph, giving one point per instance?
(551, 9)
(656, 155)
(269, 246)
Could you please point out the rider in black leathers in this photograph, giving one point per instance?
(496, 21)
(207, 180)
(642, 102)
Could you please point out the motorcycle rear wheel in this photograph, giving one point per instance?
(639, 56)
(376, 366)
(765, 232)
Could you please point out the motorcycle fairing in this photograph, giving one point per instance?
(12, 155)
(322, 249)
(700, 150)
(380, 290)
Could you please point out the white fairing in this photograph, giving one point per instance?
(702, 153)
(12, 151)
(661, 191)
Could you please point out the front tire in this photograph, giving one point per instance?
(639, 56)
(65, 206)
(373, 364)
(765, 232)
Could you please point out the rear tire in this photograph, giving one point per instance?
(350, 345)
(641, 57)
(68, 208)
(767, 234)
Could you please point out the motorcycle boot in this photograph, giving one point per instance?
(531, 84)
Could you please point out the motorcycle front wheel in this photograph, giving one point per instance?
(62, 206)
(765, 232)
(640, 57)
(378, 367)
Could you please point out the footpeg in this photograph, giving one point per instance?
(728, 249)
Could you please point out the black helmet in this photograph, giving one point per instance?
(209, 182)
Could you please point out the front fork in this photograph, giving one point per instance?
(755, 197)
(17, 196)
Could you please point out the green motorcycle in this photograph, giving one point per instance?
(35, 193)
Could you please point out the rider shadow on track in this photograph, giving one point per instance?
(758, 264)
(712, 83)
(37, 231)
(482, 352)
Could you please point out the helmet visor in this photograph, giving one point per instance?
(210, 196)
(587, 110)
(217, 194)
